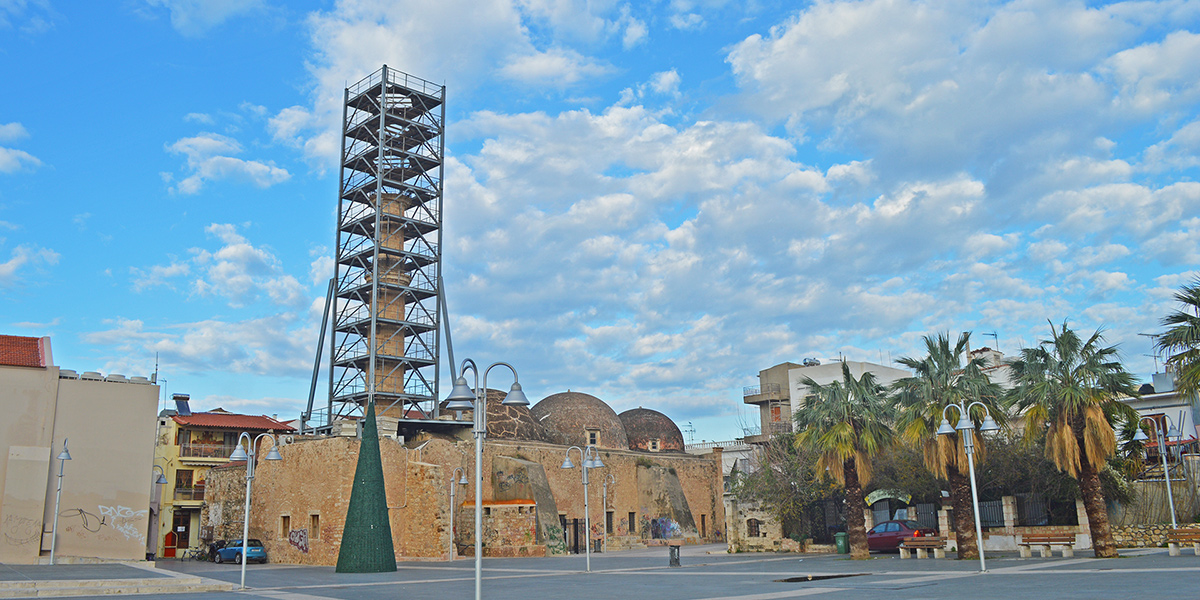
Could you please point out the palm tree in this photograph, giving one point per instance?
(1068, 388)
(942, 378)
(1182, 338)
(846, 423)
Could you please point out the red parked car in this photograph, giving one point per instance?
(888, 534)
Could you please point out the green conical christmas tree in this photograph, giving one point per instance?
(367, 537)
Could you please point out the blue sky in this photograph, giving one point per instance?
(645, 201)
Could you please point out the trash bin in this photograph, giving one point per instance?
(674, 555)
(843, 542)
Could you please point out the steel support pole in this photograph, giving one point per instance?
(57, 497)
(970, 448)
(587, 523)
(479, 407)
(1162, 451)
(246, 514)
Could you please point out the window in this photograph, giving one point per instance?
(285, 526)
(314, 527)
(891, 527)
(181, 436)
(752, 528)
(632, 523)
(183, 478)
(608, 522)
(593, 437)
(703, 533)
(654, 445)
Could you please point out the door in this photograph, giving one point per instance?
(181, 526)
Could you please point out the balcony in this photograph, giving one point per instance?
(208, 451)
(189, 494)
(754, 394)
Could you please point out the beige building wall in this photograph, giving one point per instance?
(104, 510)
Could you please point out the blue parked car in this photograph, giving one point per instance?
(233, 552)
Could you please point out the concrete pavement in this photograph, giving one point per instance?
(720, 576)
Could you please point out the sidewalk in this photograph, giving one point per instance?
(708, 573)
(99, 579)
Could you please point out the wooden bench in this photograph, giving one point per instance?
(1044, 541)
(921, 544)
(1178, 537)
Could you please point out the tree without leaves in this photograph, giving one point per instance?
(943, 377)
(1068, 388)
(787, 485)
(846, 423)
(1181, 340)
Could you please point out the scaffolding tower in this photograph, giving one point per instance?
(386, 292)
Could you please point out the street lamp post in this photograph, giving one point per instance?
(241, 453)
(159, 481)
(966, 427)
(1140, 436)
(588, 459)
(462, 480)
(607, 478)
(63, 457)
(462, 397)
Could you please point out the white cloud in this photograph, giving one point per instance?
(195, 17)
(243, 273)
(11, 132)
(208, 161)
(666, 82)
(557, 67)
(25, 257)
(13, 160)
(277, 345)
(203, 118)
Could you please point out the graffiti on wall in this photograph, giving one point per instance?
(664, 528)
(125, 520)
(299, 539)
(506, 482)
(19, 530)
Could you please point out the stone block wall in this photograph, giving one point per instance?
(510, 528)
(299, 504)
(1145, 536)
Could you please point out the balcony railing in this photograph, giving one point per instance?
(201, 450)
(190, 493)
(772, 389)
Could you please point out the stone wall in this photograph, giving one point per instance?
(510, 528)
(1145, 536)
(299, 504)
(699, 477)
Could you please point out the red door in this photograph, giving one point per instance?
(169, 545)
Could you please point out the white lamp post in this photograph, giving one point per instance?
(462, 480)
(159, 481)
(462, 397)
(1140, 436)
(607, 478)
(63, 457)
(241, 453)
(966, 428)
(589, 459)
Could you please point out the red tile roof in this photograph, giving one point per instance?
(232, 421)
(19, 351)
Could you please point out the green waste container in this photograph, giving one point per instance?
(843, 542)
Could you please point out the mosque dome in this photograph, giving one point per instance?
(651, 431)
(576, 419)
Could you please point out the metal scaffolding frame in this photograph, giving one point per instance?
(387, 291)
